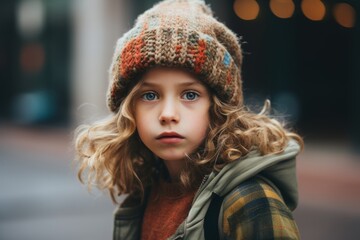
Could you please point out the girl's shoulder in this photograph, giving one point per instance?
(256, 210)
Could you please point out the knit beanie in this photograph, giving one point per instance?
(178, 34)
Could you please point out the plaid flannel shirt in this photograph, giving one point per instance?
(255, 210)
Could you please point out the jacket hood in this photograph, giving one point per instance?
(278, 168)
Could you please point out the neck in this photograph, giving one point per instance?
(174, 168)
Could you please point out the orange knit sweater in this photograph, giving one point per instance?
(166, 209)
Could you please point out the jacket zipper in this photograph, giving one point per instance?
(183, 234)
(206, 177)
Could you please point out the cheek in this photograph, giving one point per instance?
(201, 124)
(142, 131)
(138, 120)
(143, 122)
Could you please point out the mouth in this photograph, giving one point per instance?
(169, 137)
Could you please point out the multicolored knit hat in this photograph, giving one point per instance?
(181, 34)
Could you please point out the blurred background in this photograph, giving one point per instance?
(54, 57)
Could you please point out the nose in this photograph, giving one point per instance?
(169, 113)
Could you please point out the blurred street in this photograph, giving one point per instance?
(42, 199)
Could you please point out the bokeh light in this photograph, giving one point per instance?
(32, 58)
(344, 15)
(30, 16)
(313, 9)
(246, 9)
(282, 8)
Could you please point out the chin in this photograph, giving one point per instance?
(172, 157)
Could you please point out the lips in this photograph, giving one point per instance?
(169, 137)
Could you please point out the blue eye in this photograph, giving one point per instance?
(149, 96)
(190, 96)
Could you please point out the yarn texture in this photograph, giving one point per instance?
(178, 34)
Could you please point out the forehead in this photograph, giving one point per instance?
(161, 76)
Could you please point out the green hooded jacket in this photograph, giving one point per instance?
(277, 169)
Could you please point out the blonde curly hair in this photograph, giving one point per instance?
(111, 155)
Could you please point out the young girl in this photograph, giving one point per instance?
(192, 160)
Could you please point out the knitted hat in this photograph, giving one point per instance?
(181, 34)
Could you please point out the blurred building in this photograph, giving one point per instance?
(34, 61)
(302, 55)
(54, 57)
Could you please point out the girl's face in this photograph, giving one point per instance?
(172, 113)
